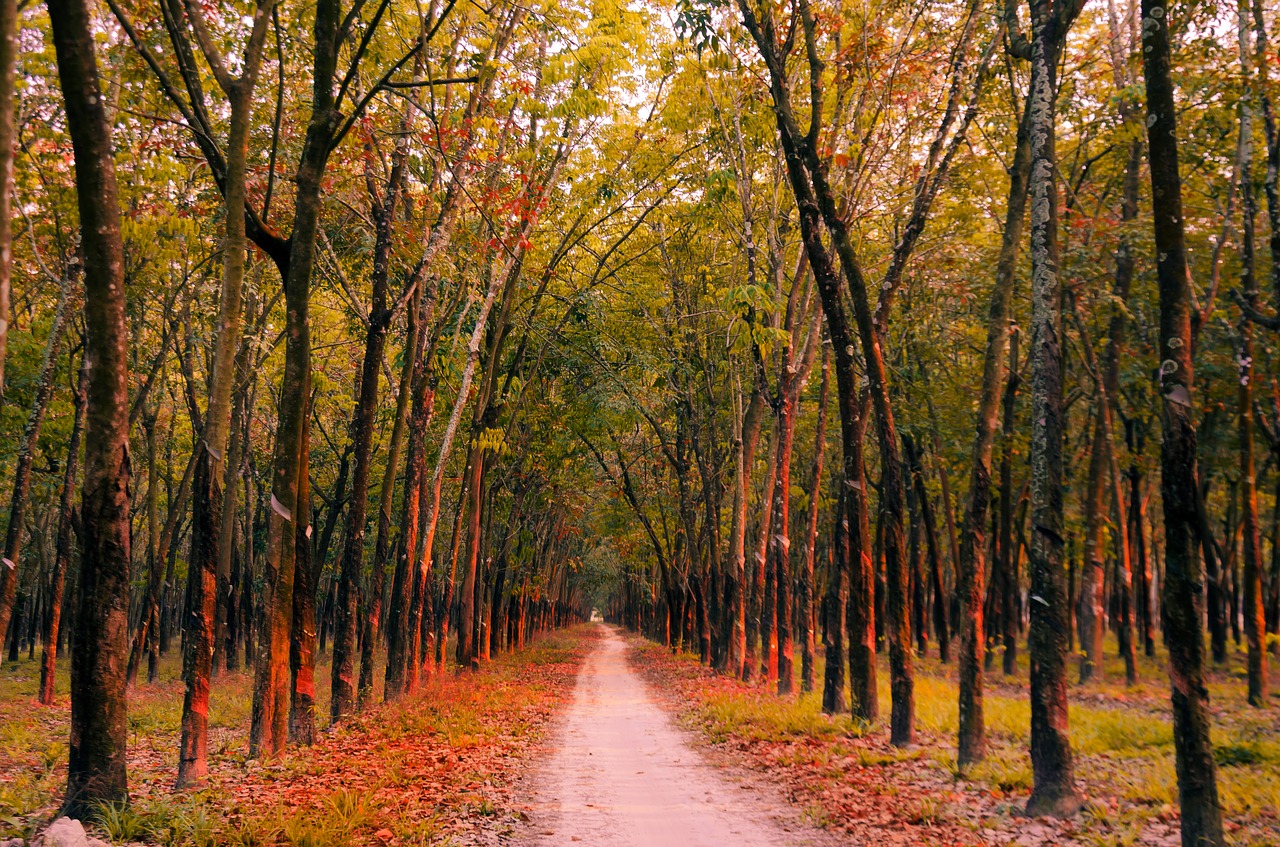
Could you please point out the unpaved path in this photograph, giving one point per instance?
(622, 775)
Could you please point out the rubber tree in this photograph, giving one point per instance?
(1183, 573)
(96, 771)
(210, 472)
(1053, 791)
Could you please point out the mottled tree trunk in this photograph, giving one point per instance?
(1054, 790)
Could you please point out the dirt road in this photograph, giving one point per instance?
(621, 774)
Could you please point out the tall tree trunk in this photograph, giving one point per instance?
(834, 606)
(8, 77)
(930, 528)
(1255, 627)
(1054, 790)
(971, 570)
(12, 554)
(746, 437)
(62, 560)
(373, 606)
(1182, 578)
(362, 423)
(1092, 604)
(210, 474)
(1007, 557)
(756, 636)
(269, 729)
(807, 579)
(96, 771)
(302, 635)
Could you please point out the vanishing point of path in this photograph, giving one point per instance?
(621, 774)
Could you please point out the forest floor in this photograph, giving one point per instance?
(846, 778)
(438, 768)
(509, 755)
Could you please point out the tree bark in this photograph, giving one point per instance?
(1182, 578)
(302, 635)
(8, 79)
(62, 560)
(12, 554)
(96, 771)
(807, 579)
(1054, 790)
(971, 571)
(269, 729)
(1255, 628)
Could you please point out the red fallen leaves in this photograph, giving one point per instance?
(443, 761)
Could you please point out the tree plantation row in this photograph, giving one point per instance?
(405, 331)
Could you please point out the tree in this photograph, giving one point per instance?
(1197, 773)
(96, 771)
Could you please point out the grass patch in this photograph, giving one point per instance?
(762, 717)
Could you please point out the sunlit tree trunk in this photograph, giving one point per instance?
(269, 729)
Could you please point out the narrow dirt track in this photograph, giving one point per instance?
(622, 774)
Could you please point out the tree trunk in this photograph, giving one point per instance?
(62, 560)
(747, 436)
(916, 467)
(1182, 578)
(807, 583)
(1054, 790)
(96, 771)
(302, 635)
(1007, 557)
(362, 425)
(269, 730)
(373, 606)
(971, 571)
(1255, 628)
(1092, 610)
(8, 74)
(834, 605)
(12, 554)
